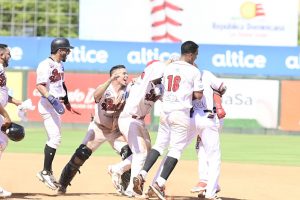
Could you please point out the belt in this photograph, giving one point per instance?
(210, 111)
(211, 114)
(137, 117)
(59, 98)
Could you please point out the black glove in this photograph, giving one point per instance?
(59, 108)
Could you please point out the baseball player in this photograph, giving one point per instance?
(181, 81)
(5, 120)
(143, 94)
(206, 122)
(110, 99)
(50, 83)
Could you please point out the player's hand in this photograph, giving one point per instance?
(220, 112)
(114, 77)
(69, 108)
(6, 124)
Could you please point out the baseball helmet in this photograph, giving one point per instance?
(15, 132)
(59, 43)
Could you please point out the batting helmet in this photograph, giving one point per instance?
(59, 43)
(15, 132)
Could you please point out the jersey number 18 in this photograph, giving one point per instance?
(173, 83)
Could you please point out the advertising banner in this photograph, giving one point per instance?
(15, 85)
(234, 22)
(252, 99)
(101, 56)
(250, 60)
(241, 22)
(80, 92)
(290, 110)
(249, 99)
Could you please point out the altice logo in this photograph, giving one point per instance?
(292, 62)
(238, 59)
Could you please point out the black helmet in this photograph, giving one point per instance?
(15, 132)
(58, 43)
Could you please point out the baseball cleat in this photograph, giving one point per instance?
(159, 191)
(48, 178)
(115, 178)
(138, 184)
(199, 187)
(61, 190)
(4, 193)
(151, 195)
(213, 198)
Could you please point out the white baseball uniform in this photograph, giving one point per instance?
(3, 102)
(141, 99)
(51, 73)
(207, 128)
(104, 127)
(180, 80)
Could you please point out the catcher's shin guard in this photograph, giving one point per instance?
(79, 157)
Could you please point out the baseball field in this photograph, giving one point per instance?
(254, 167)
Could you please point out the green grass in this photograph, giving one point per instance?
(239, 148)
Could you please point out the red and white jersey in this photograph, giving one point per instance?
(141, 95)
(3, 88)
(180, 80)
(210, 82)
(107, 110)
(52, 74)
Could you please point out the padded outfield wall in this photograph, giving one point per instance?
(262, 81)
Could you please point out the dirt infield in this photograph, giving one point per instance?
(238, 181)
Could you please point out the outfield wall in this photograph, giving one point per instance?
(272, 103)
(263, 81)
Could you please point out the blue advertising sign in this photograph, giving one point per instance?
(100, 56)
(250, 60)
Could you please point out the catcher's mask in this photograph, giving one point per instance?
(15, 132)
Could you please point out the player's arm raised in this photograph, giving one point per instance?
(99, 91)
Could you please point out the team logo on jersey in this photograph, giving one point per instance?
(151, 96)
(108, 105)
(56, 76)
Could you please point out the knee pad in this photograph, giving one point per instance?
(125, 152)
(82, 153)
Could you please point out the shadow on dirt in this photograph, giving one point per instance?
(39, 196)
(196, 198)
